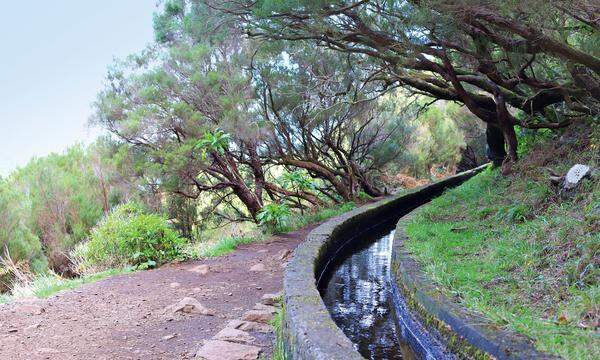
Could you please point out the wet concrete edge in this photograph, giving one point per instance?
(309, 331)
(466, 333)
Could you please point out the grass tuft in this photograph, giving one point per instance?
(278, 346)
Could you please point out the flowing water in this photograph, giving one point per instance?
(356, 289)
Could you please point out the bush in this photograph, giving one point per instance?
(274, 217)
(129, 236)
(21, 252)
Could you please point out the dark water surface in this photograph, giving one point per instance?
(356, 290)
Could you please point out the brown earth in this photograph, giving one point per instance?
(123, 317)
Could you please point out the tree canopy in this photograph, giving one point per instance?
(531, 64)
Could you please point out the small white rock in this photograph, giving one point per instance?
(574, 176)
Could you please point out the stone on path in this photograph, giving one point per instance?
(284, 254)
(234, 335)
(200, 269)
(45, 350)
(250, 326)
(263, 307)
(256, 327)
(174, 284)
(224, 350)
(30, 309)
(169, 337)
(189, 306)
(258, 267)
(270, 299)
(260, 316)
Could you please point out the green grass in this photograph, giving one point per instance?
(299, 221)
(215, 245)
(512, 249)
(225, 246)
(46, 285)
(278, 349)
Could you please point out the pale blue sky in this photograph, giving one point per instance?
(53, 60)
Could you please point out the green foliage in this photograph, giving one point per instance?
(274, 217)
(18, 244)
(51, 204)
(437, 140)
(528, 139)
(214, 141)
(297, 180)
(129, 236)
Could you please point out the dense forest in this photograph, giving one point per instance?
(260, 111)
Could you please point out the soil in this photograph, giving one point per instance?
(123, 317)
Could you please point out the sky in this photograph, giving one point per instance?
(53, 61)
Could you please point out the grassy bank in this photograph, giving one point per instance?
(517, 251)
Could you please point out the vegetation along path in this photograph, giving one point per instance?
(131, 316)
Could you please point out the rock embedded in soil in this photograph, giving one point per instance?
(234, 335)
(270, 299)
(223, 350)
(258, 267)
(260, 316)
(263, 307)
(30, 309)
(189, 306)
(284, 254)
(250, 326)
(256, 327)
(574, 176)
(200, 269)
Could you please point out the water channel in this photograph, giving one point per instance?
(356, 288)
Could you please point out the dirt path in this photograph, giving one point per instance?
(123, 317)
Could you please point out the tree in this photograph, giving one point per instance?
(533, 64)
(324, 122)
(209, 115)
(187, 113)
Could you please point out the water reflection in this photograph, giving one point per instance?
(356, 291)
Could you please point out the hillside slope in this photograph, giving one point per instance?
(521, 251)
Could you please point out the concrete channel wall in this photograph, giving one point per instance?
(309, 331)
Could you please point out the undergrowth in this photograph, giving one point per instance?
(48, 284)
(215, 245)
(147, 246)
(520, 252)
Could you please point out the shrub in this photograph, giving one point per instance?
(129, 236)
(274, 217)
(21, 252)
